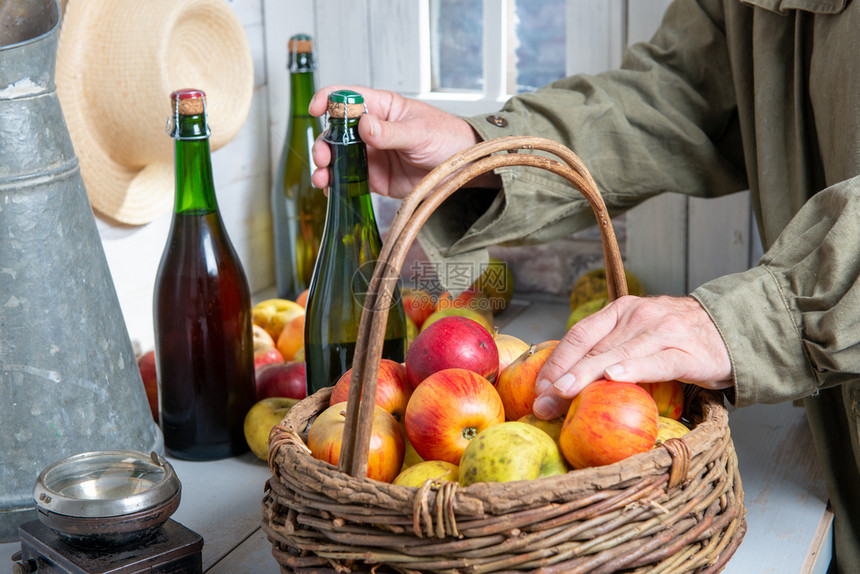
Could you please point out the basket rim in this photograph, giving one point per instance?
(286, 455)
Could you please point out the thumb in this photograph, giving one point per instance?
(386, 135)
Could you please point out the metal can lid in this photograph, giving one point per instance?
(345, 103)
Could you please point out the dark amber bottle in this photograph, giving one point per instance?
(298, 208)
(348, 254)
(201, 307)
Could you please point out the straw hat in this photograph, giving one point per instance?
(118, 62)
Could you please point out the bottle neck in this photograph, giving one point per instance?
(348, 164)
(350, 210)
(195, 188)
(301, 92)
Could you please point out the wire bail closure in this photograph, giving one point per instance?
(345, 137)
(172, 127)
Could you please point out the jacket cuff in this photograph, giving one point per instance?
(769, 361)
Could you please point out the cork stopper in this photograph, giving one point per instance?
(300, 44)
(187, 102)
(345, 103)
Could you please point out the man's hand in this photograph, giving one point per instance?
(405, 139)
(636, 339)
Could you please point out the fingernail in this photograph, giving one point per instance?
(613, 372)
(372, 123)
(542, 386)
(544, 406)
(565, 382)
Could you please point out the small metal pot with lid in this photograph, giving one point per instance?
(106, 499)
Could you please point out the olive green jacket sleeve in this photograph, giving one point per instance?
(791, 323)
(684, 138)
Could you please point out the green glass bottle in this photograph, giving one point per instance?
(201, 308)
(298, 208)
(348, 254)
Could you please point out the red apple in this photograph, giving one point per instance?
(418, 304)
(510, 348)
(516, 384)
(386, 441)
(447, 410)
(265, 356)
(282, 380)
(608, 421)
(452, 342)
(146, 364)
(392, 388)
(669, 396)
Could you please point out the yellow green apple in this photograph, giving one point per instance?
(669, 428)
(264, 415)
(436, 470)
(550, 427)
(510, 451)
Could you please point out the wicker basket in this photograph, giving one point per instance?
(676, 508)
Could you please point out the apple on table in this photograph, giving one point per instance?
(266, 356)
(273, 314)
(261, 418)
(418, 304)
(285, 379)
(148, 374)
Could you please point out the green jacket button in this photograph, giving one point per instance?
(497, 120)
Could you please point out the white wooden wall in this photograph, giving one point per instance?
(674, 243)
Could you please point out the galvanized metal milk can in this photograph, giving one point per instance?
(68, 378)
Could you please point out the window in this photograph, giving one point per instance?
(524, 50)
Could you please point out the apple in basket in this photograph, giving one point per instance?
(385, 458)
(510, 348)
(608, 421)
(447, 410)
(516, 384)
(669, 396)
(435, 470)
(392, 388)
(510, 451)
(452, 342)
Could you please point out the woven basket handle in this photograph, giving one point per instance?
(414, 211)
